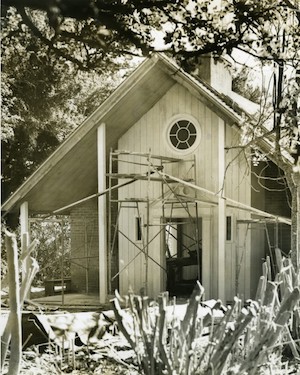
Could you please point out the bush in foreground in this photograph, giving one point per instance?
(241, 339)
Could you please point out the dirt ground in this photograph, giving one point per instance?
(47, 364)
(108, 356)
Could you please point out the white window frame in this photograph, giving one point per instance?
(169, 125)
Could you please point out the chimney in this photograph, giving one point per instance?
(215, 72)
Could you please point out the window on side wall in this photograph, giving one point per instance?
(228, 228)
(138, 228)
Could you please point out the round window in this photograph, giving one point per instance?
(183, 134)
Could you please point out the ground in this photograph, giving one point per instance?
(96, 349)
(48, 364)
(109, 355)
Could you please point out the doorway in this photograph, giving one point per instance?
(183, 244)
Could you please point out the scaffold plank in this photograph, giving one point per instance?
(146, 155)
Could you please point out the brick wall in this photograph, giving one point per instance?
(84, 248)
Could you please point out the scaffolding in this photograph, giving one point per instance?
(182, 246)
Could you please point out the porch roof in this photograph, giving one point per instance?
(70, 173)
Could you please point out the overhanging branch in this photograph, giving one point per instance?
(28, 22)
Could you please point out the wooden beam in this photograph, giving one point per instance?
(230, 202)
(207, 254)
(24, 224)
(147, 155)
(102, 224)
(105, 191)
(25, 239)
(13, 330)
(142, 177)
(221, 213)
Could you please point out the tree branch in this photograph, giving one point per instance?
(253, 141)
(49, 43)
(82, 9)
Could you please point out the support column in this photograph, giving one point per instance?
(24, 224)
(221, 213)
(206, 254)
(295, 227)
(25, 237)
(102, 225)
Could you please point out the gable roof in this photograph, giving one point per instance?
(70, 173)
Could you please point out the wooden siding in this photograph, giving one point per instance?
(59, 180)
(246, 250)
(149, 134)
(63, 182)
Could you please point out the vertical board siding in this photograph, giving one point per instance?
(150, 133)
(243, 255)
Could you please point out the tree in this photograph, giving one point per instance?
(41, 105)
(104, 29)
(53, 250)
(241, 84)
(87, 32)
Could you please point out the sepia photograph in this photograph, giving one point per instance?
(150, 159)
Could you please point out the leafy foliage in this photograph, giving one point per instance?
(44, 99)
(247, 340)
(93, 34)
(241, 84)
(88, 33)
(53, 250)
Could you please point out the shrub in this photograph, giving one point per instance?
(241, 339)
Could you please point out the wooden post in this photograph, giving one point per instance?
(102, 225)
(62, 264)
(24, 224)
(25, 238)
(295, 228)
(297, 255)
(221, 213)
(206, 253)
(109, 234)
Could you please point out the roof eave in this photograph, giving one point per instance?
(201, 91)
(87, 126)
(216, 102)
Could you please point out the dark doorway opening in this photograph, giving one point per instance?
(183, 241)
